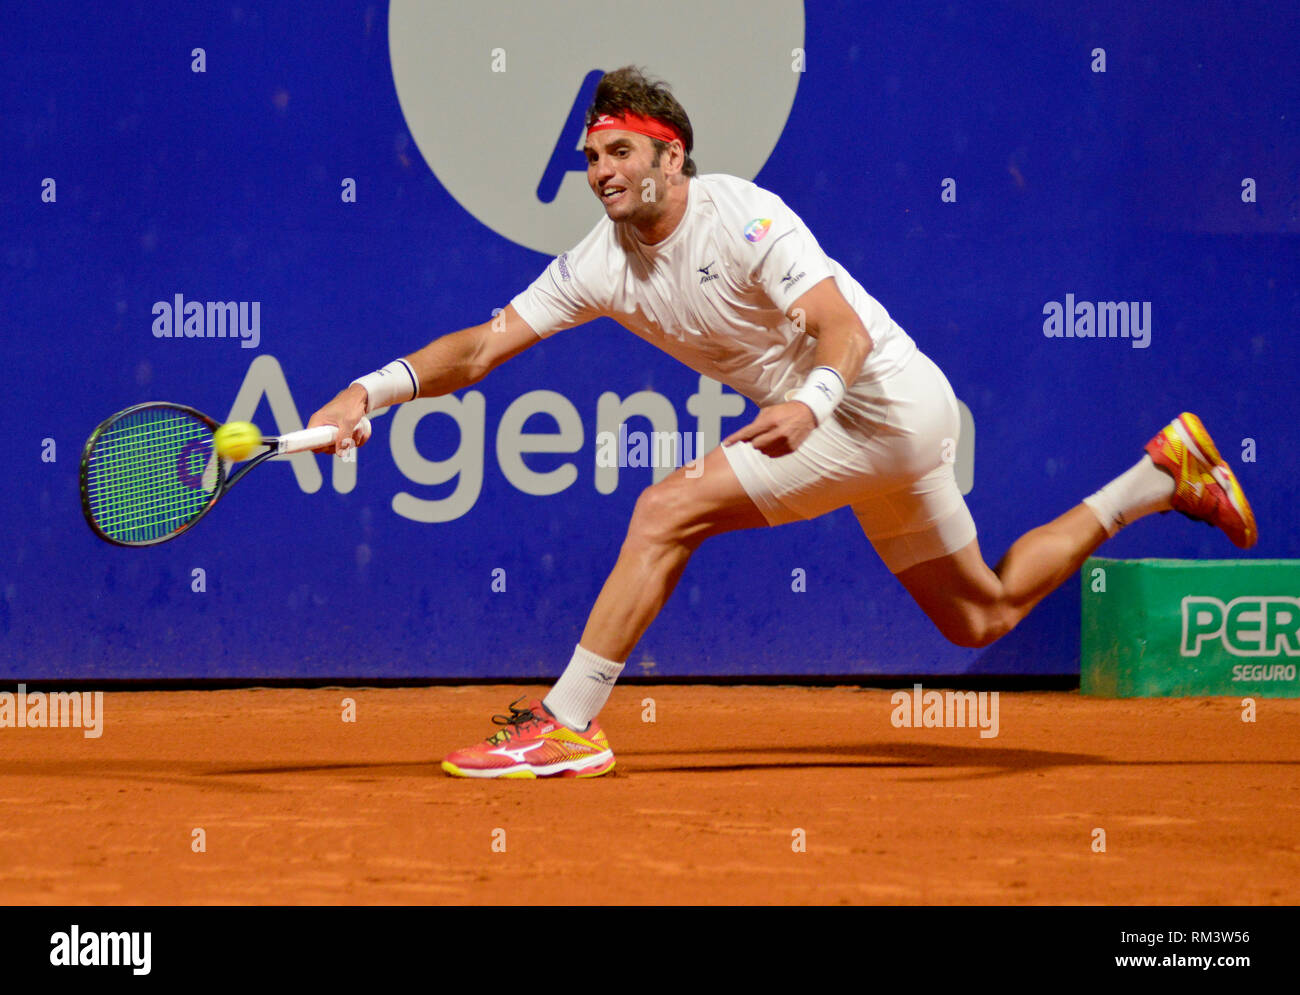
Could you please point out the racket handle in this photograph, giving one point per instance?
(314, 438)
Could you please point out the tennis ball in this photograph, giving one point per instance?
(236, 440)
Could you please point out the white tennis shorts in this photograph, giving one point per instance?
(887, 453)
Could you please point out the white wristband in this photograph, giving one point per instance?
(394, 384)
(822, 391)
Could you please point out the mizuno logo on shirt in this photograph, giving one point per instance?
(789, 280)
(707, 276)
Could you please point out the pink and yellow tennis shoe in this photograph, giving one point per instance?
(1205, 488)
(532, 743)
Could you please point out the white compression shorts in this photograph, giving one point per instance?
(889, 459)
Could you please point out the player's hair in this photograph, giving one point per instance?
(629, 89)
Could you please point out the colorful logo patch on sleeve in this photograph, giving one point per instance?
(756, 229)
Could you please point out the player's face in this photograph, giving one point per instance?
(618, 168)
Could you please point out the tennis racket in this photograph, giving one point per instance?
(149, 472)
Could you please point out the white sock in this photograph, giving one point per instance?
(1140, 490)
(583, 689)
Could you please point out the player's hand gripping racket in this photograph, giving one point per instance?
(151, 471)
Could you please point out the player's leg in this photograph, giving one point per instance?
(973, 604)
(669, 522)
(560, 735)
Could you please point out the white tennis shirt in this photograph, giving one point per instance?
(715, 292)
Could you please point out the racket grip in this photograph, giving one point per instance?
(314, 438)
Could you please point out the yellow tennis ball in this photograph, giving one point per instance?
(236, 440)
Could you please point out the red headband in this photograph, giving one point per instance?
(651, 127)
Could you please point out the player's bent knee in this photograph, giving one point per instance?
(659, 516)
(975, 629)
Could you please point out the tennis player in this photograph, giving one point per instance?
(725, 277)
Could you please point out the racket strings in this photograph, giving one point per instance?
(151, 474)
(136, 473)
(136, 496)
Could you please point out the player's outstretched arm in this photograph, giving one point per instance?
(445, 365)
(454, 361)
(843, 344)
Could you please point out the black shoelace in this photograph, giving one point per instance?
(516, 718)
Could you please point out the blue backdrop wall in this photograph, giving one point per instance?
(1110, 151)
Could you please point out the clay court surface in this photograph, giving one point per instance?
(297, 806)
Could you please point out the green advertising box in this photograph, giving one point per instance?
(1177, 628)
